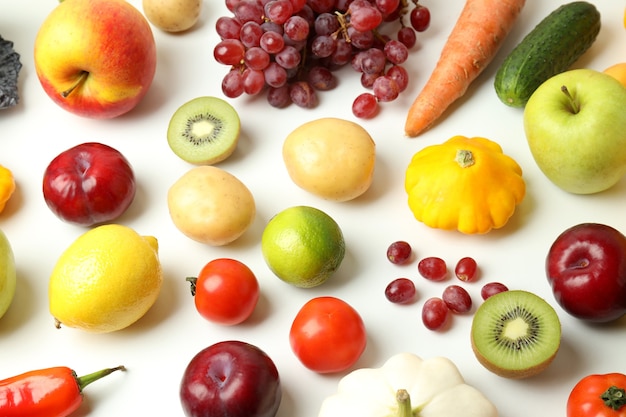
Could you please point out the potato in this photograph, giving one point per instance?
(172, 15)
(210, 205)
(331, 158)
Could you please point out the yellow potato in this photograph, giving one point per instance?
(210, 205)
(172, 15)
(331, 158)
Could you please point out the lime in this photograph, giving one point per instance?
(303, 246)
(106, 280)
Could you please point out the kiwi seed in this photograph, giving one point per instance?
(515, 334)
(204, 131)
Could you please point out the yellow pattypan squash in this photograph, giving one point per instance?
(7, 186)
(467, 184)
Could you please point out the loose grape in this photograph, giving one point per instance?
(399, 252)
(435, 313)
(492, 288)
(400, 291)
(365, 106)
(465, 269)
(457, 299)
(433, 268)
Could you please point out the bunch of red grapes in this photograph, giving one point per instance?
(292, 48)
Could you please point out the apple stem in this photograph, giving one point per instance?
(81, 80)
(404, 403)
(573, 103)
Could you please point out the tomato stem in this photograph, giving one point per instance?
(85, 380)
(404, 403)
(614, 397)
(192, 281)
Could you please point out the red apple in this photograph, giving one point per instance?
(586, 267)
(230, 379)
(95, 58)
(88, 184)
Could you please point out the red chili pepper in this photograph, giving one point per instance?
(50, 392)
(598, 396)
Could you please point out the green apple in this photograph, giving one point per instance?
(575, 123)
(7, 274)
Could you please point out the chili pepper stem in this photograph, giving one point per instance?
(85, 380)
(404, 403)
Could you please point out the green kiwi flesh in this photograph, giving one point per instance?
(515, 334)
(204, 131)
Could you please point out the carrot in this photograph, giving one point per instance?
(470, 47)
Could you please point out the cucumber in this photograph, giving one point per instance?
(550, 48)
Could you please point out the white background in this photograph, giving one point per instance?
(158, 347)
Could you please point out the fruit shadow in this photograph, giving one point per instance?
(23, 307)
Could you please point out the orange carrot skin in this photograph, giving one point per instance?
(473, 42)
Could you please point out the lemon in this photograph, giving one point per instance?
(303, 246)
(106, 280)
(8, 279)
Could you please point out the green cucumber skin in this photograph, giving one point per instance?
(550, 48)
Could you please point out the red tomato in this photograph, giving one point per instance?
(226, 291)
(598, 396)
(327, 335)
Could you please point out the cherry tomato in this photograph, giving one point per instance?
(327, 335)
(598, 395)
(226, 291)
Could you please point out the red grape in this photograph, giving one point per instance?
(275, 75)
(492, 288)
(420, 18)
(279, 96)
(396, 52)
(250, 34)
(256, 58)
(457, 299)
(400, 291)
(399, 252)
(321, 78)
(227, 27)
(435, 313)
(302, 94)
(232, 84)
(465, 269)
(278, 11)
(433, 268)
(296, 28)
(385, 88)
(407, 36)
(400, 75)
(365, 106)
(253, 81)
(365, 18)
(272, 42)
(229, 52)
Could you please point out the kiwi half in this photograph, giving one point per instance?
(515, 334)
(204, 131)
